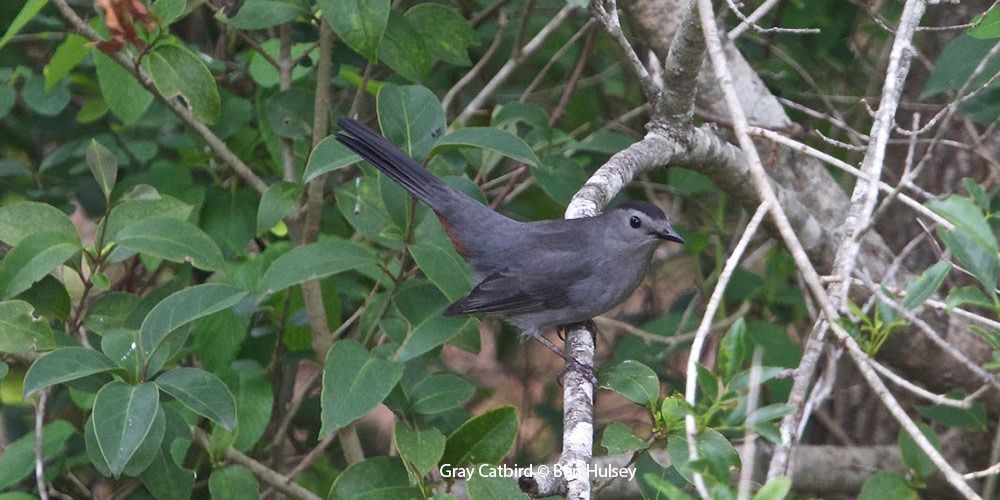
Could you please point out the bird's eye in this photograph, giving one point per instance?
(634, 221)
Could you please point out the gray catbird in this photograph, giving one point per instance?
(537, 275)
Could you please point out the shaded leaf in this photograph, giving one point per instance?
(439, 393)
(884, 485)
(374, 478)
(33, 258)
(421, 448)
(260, 14)
(18, 458)
(618, 438)
(492, 139)
(485, 439)
(233, 482)
(403, 50)
(202, 392)
(63, 365)
(354, 382)
(359, 23)
(18, 220)
(446, 34)
(21, 331)
(277, 201)
(24, 16)
(313, 261)
(635, 381)
(104, 166)
(411, 117)
(327, 156)
(493, 488)
(433, 332)
(176, 71)
(173, 240)
(125, 97)
(183, 307)
(123, 416)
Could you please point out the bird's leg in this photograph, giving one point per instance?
(571, 364)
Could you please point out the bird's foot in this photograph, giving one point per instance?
(589, 325)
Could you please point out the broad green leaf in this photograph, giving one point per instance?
(314, 261)
(143, 456)
(485, 439)
(229, 217)
(967, 295)
(966, 215)
(421, 448)
(433, 332)
(972, 418)
(327, 156)
(494, 488)
(618, 438)
(109, 311)
(4, 368)
(125, 97)
(24, 16)
(673, 410)
(559, 177)
(883, 485)
(411, 117)
(359, 23)
(492, 139)
(17, 461)
(165, 478)
(104, 166)
(168, 11)
(7, 99)
(21, 331)
(123, 417)
(733, 350)
(713, 447)
(635, 381)
(913, 456)
(374, 478)
(176, 71)
(354, 382)
(403, 49)
(202, 392)
(46, 103)
(173, 240)
(183, 307)
(776, 488)
(973, 256)
(65, 364)
(21, 219)
(233, 482)
(33, 258)
(70, 52)
(254, 401)
(988, 26)
(661, 488)
(279, 199)
(259, 14)
(957, 61)
(446, 34)
(127, 211)
(767, 413)
(923, 286)
(439, 393)
(290, 113)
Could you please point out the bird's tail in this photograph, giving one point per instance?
(394, 163)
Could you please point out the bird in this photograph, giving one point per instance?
(536, 275)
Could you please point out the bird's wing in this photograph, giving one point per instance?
(504, 293)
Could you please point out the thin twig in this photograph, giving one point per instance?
(43, 492)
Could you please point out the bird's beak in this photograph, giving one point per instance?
(669, 235)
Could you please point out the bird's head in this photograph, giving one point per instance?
(642, 223)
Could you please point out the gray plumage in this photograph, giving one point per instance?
(537, 275)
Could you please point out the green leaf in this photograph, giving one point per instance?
(967, 216)
(21, 331)
(126, 211)
(635, 381)
(126, 98)
(956, 62)
(618, 438)
(24, 16)
(18, 458)
(411, 117)
(123, 417)
(277, 201)
(973, 256)
(4, 369)
(327, 156)
(46, 103)
(104, 166)
(446, 34)
(173, 240)
(202, 392)
(354, 382)
(290, 113)
(439, 393)
(713, 448)
(662, 488)
(359, 23)
(768, 413)
(33, 258)
(183, 307)
(988, 26)
(70, 52)
(266, 75)
(260, 14)
(254, 401)
(491, 139)
(49, 298)
(233, 482)
(18, 220)
(109, 311)
(374, 478)
(168, 11)
(421, 448)
(143, 456)
(913, 456)
(494, 488)
(559, 177)
(972, 418)
(63, 365)
(403, 50)
(433, 332)
(165, 478)
(176, 71)
(314, 261)
(967, 295)
(884, 485)
(923, 286)
(776, 488)
(485, 439)
(733, 350)
(7, 99)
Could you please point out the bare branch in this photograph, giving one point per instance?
(606, 12)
